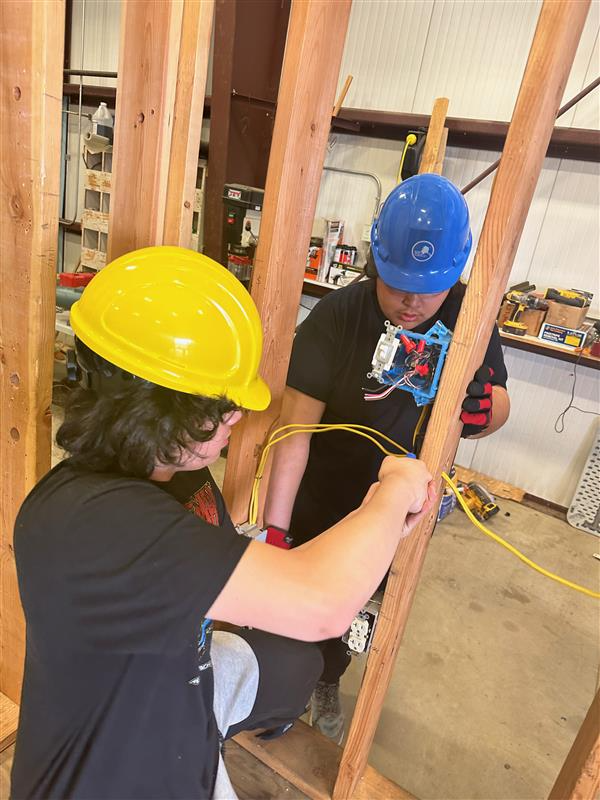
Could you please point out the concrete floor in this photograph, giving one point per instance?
(498, 665)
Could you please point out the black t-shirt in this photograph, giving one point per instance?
(116, 576)
(331, 357)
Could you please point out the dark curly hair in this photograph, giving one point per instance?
(124, 424)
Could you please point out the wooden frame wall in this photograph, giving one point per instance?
(548, 67)
(176, 51)
(31, 64)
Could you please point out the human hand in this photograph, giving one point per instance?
(476, 413)
(412, 520)
(413, 477)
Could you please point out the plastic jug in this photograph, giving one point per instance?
(103, 122)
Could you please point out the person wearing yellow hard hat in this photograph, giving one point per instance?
(125, 551)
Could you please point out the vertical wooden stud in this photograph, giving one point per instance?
(163, 61)
(579, 778)
(550, 59)
(311, 65)
(437, 136)
(31, 64)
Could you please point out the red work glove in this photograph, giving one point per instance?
(278, 537)
(477, 405)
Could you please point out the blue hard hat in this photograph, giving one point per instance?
(421, 240)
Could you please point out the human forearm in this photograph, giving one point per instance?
(312, 592)
(289, 462)
(350, 559)
(290, 457)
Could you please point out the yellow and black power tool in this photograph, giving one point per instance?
(480, 501)
(569, 297)
(521, 301)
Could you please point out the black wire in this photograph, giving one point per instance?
(559, 424)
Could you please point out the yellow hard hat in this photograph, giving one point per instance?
(178, 319)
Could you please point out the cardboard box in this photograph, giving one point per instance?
(564, 315)
(566, 337)
(531, 317)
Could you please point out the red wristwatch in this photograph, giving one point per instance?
(278, 537)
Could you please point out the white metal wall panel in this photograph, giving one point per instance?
(405, 54)
(384, 46)
(567, 252)
(585, 68)
(101, 41)
(527, 451)
(352, 198)
(475, 55)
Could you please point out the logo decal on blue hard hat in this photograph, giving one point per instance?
(423, 250)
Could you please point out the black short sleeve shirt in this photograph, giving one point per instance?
(330, 359)
(116, 576)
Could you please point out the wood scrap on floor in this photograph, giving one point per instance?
(496, 487)
(253, 780)
(310, 761)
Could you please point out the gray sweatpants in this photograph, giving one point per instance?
(260, 680)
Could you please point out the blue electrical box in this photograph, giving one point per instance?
(410, 361)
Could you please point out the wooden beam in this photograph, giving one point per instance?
(315, 44)
(309, 761)
(550, 59)
(579, 778)
(187, 126)
(160, 97)
(437, 136)
(31, 64)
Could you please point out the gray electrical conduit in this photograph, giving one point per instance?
(61, 221)
(370, 175)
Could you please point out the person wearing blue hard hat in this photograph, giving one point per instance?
(420, 244)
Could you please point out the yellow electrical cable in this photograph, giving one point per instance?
(359, 431)
(317, 427)
(511, 547)
(419, 425)
(410, 140)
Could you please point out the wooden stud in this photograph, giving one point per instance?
(31, 63)
(187, 127)
(311, 66)
(342, 96)
(160, 97)
(435, 143)
(552, 52)
(579, 778)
